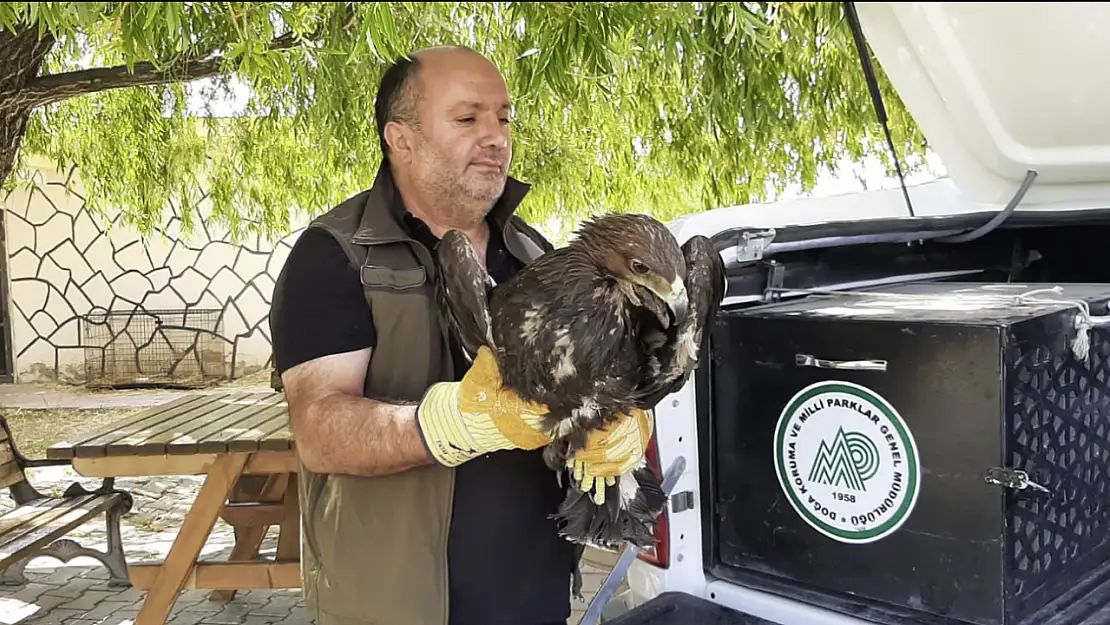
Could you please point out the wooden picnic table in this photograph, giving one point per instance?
(225, 437)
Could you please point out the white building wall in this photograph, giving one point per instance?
(66, 265)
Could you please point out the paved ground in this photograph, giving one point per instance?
(50, 397)
(77, 593)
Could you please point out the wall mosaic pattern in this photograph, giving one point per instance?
(85, 294)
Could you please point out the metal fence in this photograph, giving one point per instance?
(162, 347)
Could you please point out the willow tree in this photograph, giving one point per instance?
(663, 107)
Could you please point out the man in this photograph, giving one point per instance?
(415, 512)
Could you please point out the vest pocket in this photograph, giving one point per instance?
(374, 276)
(382, 546)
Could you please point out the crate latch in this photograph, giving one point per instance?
(1012, 478)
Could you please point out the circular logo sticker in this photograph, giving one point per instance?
(847, 462)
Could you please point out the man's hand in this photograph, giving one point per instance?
(465, 419)
(611, 452)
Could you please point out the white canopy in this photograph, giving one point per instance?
(1002, 88)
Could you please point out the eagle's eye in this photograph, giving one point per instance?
(639, 267)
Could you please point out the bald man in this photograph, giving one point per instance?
(408, 517)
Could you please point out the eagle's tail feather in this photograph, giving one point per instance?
(625, 516)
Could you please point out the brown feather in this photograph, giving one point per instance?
(583, 330)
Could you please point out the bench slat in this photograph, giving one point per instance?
(235, 408)
(72, 513)
(126, 445)
(252, 440)
(10, 473)
(190, 444)
(280, 439)
(246, 434)
(6, 453)
(13, 522)
(99, 438)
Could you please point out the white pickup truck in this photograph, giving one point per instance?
(904, 414)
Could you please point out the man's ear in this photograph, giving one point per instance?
(399, 138)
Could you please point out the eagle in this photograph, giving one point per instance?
(610, 322)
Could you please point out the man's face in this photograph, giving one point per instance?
(461, 153)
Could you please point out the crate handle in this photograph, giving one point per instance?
(806, 360)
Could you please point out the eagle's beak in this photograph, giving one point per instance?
(677, 300)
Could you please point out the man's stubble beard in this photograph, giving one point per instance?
(456, 204)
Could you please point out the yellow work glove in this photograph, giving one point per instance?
(462, 420)
(611, 452)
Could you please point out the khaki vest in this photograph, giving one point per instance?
(374, 549)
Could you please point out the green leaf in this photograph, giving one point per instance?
(666, 108)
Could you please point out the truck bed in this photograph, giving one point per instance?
(1033, 256)
(677, 608)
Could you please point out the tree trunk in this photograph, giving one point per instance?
(12, 127)
(21, 59)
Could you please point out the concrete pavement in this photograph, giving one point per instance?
(77, 593)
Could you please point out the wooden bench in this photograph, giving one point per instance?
(38, 523)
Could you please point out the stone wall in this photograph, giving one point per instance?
(93, 302)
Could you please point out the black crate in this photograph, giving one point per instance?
(895, 462)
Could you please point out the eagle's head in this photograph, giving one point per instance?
(644, 257)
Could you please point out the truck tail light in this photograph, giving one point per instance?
(658, 555)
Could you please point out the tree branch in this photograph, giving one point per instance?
(57, 87)
(53, 88)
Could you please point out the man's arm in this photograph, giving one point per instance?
(338, 430)
(323, 333)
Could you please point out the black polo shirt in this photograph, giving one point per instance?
(506, 562)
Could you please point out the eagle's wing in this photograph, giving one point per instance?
(462, 292)
(671, 363)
